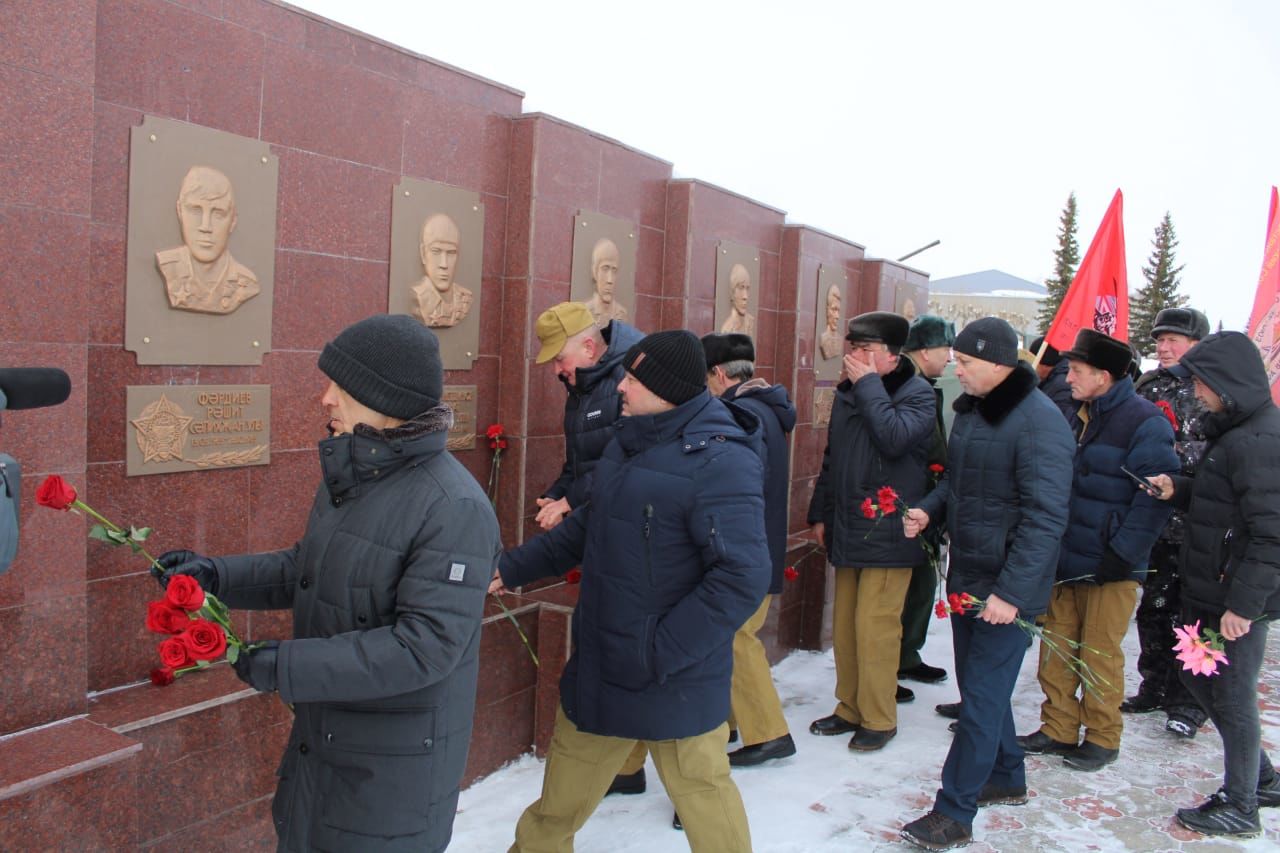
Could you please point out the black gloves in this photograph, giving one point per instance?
(188, 563)
(1113, 568)
(257, 668)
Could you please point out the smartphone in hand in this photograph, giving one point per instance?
(1143, 483)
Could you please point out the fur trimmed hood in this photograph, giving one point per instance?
(1003, 398)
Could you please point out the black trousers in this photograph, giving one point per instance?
(1158, 612)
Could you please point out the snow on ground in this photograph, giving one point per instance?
(827, 798)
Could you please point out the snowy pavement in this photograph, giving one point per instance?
(827, 798)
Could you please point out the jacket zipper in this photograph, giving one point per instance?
(648, 561)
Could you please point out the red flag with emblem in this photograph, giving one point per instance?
(1099, 295)
(1264, 319)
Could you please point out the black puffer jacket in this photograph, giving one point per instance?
(880, 433)
(1004, 496)
(1172, 390)
(1055, 387)
(1231, 556)
(674, 560)
(777, 415)
(590, 411)
(387, 586)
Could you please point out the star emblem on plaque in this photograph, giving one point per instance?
(161, 431)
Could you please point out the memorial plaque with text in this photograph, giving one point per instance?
(197, 427)
(462, 399)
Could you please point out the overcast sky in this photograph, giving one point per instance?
(897, 123)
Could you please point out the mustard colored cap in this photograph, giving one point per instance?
(559, 323)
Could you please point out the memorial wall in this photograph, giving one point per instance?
(196, 197)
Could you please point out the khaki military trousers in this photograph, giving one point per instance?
(866, 628)
(1096, 616)
(754, 702)
(580, 766)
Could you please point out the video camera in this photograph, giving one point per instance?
(22, 388)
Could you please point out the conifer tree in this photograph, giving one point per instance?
(1161, 289)
(1065, 260)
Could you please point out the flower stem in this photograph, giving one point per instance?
(115, 528)
(511, 616)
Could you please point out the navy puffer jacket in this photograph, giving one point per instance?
(1231, 556)
(674, 559)
(1108, 510)
(1004, 497)
(592, 407)
(880, 434)
(772, 405)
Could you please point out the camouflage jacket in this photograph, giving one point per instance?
(1176, 397)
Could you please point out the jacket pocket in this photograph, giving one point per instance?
(627, 658)
(380, 770)
(647, 530)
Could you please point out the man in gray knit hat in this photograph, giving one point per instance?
(387, 586)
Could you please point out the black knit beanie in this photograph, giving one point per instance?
(389, 362)
(670, 364)
(990, 339)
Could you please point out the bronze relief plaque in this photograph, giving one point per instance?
(437, 254)
(462, 399)
(201, 248)
(737, 286)
(196, 427)
(829, 334)
(823, 400)
(604, 266)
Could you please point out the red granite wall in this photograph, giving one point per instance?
(347, 116)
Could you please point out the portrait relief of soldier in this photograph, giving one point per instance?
(438, 301)
(606, 262)
(741, 320)
(202, 275)
(831, 342)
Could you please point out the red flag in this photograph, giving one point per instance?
(1264, 319)
(1099, 295)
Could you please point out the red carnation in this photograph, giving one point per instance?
(957, 603)
(940, 610)
(162, 676)
(868, 508)
(574, 575)
(184, 592)
(790, 573)
(164, 618)
(174, 654)
(204, 639)
(55, 493)
(936, 468)
(1164, 406)
(887, 498)
(494, 431)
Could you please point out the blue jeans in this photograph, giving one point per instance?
(988, 658)
(1231, 699)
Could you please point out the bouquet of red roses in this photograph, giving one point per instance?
(198, 624)
(199, 629)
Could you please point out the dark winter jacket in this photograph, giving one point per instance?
(1004, 496)
(1113, 523)
(1231, 557)
(674, 559)
(592, 407)
(880, 433)
(772, 405)
(387, 587)
(1174, 393)
(1056, 389)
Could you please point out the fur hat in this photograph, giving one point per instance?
(990, 339)
(1101, 351)
(1051, 355)
(722, 348)
(389, 362)
(1182, 321)
(671, 364)
(929, 331)
(879, 327)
